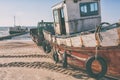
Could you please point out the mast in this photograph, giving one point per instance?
(14, 21)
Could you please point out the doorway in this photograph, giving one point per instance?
(62, 22)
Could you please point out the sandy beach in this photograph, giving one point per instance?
(23, 60)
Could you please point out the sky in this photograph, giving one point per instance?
(110, 10)
(30, 12)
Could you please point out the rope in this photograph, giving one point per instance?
(96, 53)
(98, 37)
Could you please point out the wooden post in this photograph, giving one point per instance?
(71, 42)
(81, 40)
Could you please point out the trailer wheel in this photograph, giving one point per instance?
(44, 46)
(48, 48)
(64, 62)
(40, 39)
(55, 57)
(103, 67)
(39, 42)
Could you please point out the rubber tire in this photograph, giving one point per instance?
(39, 43)
(44, 46)
(55, 57)
(48, 48)
(64, 62)
(40, 40)
(103, 64)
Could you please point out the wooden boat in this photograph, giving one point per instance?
(81, 49)
(81, 40)
(18, 29)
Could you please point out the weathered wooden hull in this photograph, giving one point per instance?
(81, 47)
(79, 56)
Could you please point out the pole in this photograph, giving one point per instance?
(14, 21)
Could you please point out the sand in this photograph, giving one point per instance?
(23, 60)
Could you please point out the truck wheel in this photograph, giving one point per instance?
(44, 46)
(48, 48)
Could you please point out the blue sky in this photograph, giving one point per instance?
(29, 12)
(110, 10)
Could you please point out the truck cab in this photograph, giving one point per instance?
(44, 25)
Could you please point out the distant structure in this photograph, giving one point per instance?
(17, 29)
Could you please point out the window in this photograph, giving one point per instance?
(84, 9)
(93, 7)
(55, 14)
(88, 9)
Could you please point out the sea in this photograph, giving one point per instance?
(4, 31)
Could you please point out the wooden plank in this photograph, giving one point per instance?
(110, 38)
